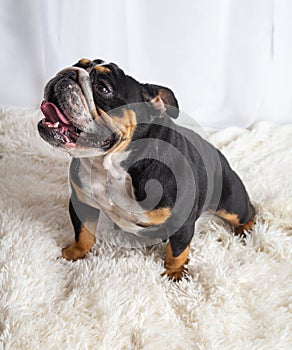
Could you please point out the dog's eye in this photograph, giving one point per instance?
(102, 88)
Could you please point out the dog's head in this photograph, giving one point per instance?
(93, 108)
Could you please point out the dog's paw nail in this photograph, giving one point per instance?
(176, 275)
(67, 254)
(72, 253)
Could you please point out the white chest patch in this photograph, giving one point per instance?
(104, 184)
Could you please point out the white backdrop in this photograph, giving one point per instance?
(229, 62)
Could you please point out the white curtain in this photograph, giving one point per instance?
(229, 62)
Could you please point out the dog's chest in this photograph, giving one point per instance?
(102, 183)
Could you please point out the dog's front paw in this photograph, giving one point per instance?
(175, 275)
(73, 253)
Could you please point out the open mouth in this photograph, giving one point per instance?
(55, 125)
(58, 125)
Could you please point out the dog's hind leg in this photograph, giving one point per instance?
(235, 206)
(234, 220)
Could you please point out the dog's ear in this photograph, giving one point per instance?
(161, 99)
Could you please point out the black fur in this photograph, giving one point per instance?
(213, 171)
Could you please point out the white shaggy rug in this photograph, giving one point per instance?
(238, 295)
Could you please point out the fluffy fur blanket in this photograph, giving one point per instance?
(238, 295)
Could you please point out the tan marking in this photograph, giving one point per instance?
(78, 250)
(95, 114)
(174, 266)
(158, 103)
(102, 69)
(232, 218)
(239, 230)
(156, 217)
(125, 126)
(84, 61)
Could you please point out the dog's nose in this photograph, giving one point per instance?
(71, 74)
(68, 74)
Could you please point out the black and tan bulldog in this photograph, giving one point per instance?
(122, 137)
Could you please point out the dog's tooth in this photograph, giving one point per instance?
(56, 124)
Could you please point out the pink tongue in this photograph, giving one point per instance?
(53, 114)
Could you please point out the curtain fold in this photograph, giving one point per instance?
(50, 17)
(228, 62)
